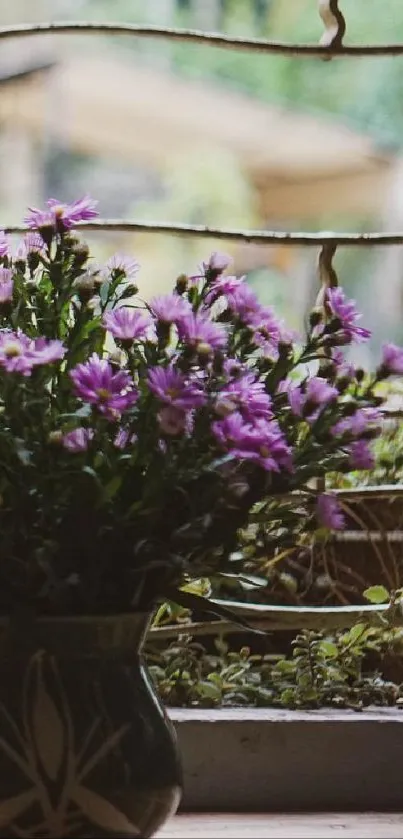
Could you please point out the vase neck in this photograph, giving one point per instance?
(115, 635)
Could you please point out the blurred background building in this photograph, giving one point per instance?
(178, 132)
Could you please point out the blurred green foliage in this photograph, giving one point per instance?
(370, 97)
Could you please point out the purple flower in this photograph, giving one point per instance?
(361, 456)
(233, 367)
(46, 352)
(344, 368)
(4, 244)
(14, 353)
(77, 440)
(218, 262)
(129, 324)
(329, 513)
(170, 308)
(62, 215)
(31, 243)
(223, 286)
(122, 264)
(392, 359)
(174, 421)
(84, 209)
(243, 303)
(247, 395)
(268, 331)
(20, 354)
(345, 312)
(261, 442)
(96, 382)
(37, 219)
(310, 401)
(357, 425)
(123, 438)
(6, 285)
(174, 388)
(202, 334)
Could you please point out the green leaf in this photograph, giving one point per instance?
(329, 649)
(104, 292)
(284, 666)
(356, 631)
(210, 690)
(377, 594)
(112, 487)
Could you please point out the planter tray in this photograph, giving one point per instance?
(266, 760)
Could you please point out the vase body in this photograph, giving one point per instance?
(86, 749)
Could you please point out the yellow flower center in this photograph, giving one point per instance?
(203, 348)
(264, 451)
(103, 393)
(12, 349)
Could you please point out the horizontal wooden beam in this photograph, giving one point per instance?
(212, 39)
(255, 237)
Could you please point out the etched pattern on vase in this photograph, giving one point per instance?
(55, 799)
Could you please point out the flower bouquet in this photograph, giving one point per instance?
(137, 438)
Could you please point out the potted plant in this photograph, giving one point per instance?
(135, 440)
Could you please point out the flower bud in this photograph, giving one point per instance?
(336, 340)
(360, 374)
(47, 232)
(342, 383)
(218, 263)
(284, 349)
(55, 438)
(85, 287)
(81, 253)
(334, 325)
(350, 408)
(131, 290)
(33, 260)
(182, 284)
(315, 317)
(19, 264)
(71, 241)
(327, 369)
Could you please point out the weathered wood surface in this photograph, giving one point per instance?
(295, 826)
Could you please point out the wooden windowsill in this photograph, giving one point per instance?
(281, 826)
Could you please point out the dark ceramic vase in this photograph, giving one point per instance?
(86, 749)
